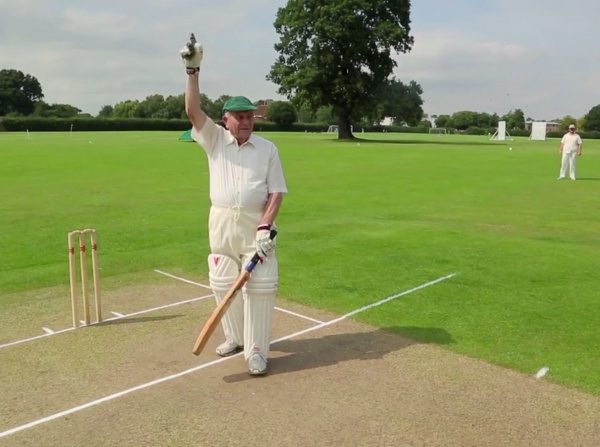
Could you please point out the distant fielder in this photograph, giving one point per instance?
(571, 147)
(246, 190)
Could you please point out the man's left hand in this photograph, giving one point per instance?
(264, 244)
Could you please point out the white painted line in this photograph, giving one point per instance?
(206, 365)
(117, 314)
(369, 306)
(276, 308)
(37, 337)
(164, 307)
(113, 396)
(25, 340)
(182, 279)
(48, 330)
(285, 311)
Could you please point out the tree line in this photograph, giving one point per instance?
(21, 95)
(335, 64)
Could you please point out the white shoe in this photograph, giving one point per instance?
(257, 364)
(560, 178)
(228, 348)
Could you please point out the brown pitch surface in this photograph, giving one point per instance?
(345, 384)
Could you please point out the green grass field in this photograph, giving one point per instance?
(363, 220)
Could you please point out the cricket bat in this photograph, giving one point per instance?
(217, 314)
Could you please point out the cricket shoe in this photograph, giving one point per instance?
(257, 364)
(228, 348)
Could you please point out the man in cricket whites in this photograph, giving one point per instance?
(571, 147)
(246, 190)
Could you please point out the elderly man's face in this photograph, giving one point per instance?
(240, 124)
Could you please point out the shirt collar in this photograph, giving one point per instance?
(230, 139)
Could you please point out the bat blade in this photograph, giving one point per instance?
(217, 314)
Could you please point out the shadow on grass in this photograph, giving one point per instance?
(588, 178)
(337, 348)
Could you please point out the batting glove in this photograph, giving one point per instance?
(192, 55)
(264, 244)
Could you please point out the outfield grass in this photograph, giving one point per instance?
(363, 220)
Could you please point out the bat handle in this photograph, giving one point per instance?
(256, 258)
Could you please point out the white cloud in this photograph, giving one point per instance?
(489, 56)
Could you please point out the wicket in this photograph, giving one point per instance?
(81, 236)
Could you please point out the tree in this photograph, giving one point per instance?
(402, 102)
(18, 92)
(515, 120)
(214, 109)
(174, 107)
(339, 53)
(464, 119)
(106, 111)
(442, 121)
(127, 109)
(592, 119)
(55, 110)
(565, 121)
(152, 107)
(282, 113)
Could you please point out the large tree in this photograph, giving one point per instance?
(592, 118)
(339, 53)
(515, 120)
(282, 113)
(18, 92)
(55, 110)
(403, 102)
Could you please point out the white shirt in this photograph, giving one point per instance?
(570, 142)
(240, 176)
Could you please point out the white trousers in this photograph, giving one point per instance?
(568, 162)
(248, 319)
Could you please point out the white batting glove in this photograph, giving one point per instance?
(264, 244)
(192, 55)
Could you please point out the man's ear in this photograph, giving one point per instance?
(224, 121)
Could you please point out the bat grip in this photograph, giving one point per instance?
(256, 258)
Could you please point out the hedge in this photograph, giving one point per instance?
(37, 124)
(21, 124)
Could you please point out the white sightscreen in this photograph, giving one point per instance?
(501, 132)
(538, 131)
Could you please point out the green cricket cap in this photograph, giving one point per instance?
(238, 104)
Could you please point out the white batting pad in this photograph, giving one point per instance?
(222, 273)
(259, 301)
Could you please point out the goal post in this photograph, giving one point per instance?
(438, 130)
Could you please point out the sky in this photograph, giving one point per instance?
(494, 56)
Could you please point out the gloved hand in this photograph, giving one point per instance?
(264, 244)
(192, 55)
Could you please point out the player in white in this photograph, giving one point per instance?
(246, 190)
(571, 147)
